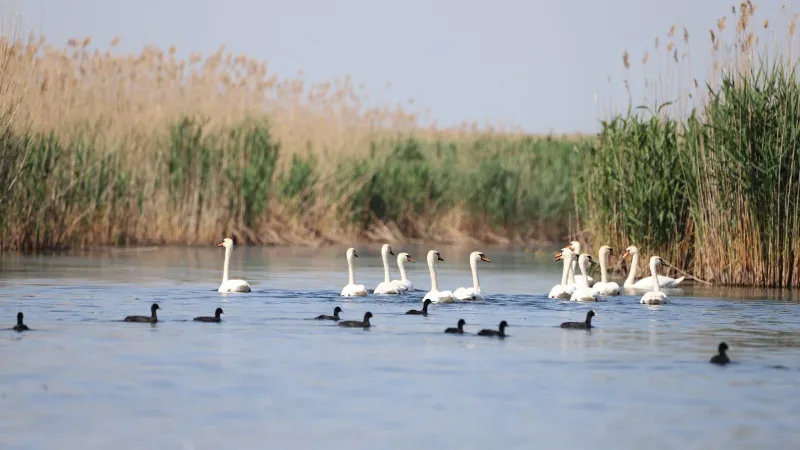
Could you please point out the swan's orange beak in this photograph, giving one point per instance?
(221, 245)
(409, 258)
(625, 255)
(484, 258)
(559, 256)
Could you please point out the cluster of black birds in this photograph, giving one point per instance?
(721, 358)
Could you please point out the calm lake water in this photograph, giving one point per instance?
(267, 377)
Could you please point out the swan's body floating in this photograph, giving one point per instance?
(435, 295)
(605, 287)
(474, 292)
(564, 290)
(403, 284)
(352, 289)
(656, 297)
(646, 282)
(230, 285)
(386, 286)
(575, 246)
(584, 293)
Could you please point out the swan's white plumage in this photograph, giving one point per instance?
(646, 282)
(563, 290)
(605, 287)
(228, 285)
(474, 292)
(387, 286)
(655, 297)
(352, 289)
(575, 246)
(584, 293)
(435, 295)
(403, 284)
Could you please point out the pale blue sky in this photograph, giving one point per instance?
(536, 63)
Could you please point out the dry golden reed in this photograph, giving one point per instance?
(149, 147)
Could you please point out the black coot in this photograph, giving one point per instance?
(216, 317)
(722, 357)
(144, 319)
(459, 330)
(335, 315)
(500, 334)
(357, 324)
(424, 311)
(20, 327)
(581, 325)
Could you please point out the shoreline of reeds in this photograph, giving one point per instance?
(709, 179)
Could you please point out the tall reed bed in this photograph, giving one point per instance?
(107, 148)
(715, 190)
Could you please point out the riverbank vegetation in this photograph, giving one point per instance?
(710, 178)
(108, 148)
(101, 147)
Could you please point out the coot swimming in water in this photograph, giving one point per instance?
(500, 334)
(335, 315)
(357, 324)
(20, 327)
(424, 311)
(722, 357)
(216, 317)
(581, 325)
(152, 319)
(459, 330)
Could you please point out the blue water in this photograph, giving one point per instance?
(267, 377)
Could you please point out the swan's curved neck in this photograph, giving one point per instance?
(473, 263)
(634, 268)
(351, 278)
(434, 281)
(565, 271)
(226, 264)
(585, 281)
(654, 272)
(401, 265)
(385, 256)
(603, 276)
(572, 265)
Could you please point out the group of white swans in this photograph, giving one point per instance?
(583, 288)
(389, 286)
(574, 287)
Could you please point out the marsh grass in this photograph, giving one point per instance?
(714, 190)
(103, 147)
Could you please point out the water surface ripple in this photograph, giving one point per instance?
(268, 377)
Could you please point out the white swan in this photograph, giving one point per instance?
(474, 292)
(605, 287)
(646, 282)
(575, 246)
(584, 293)
(563, 290)
(435, 295)
(656, 297)
(387, 286)
(352, 289)
(230, 285)
(403, 284)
